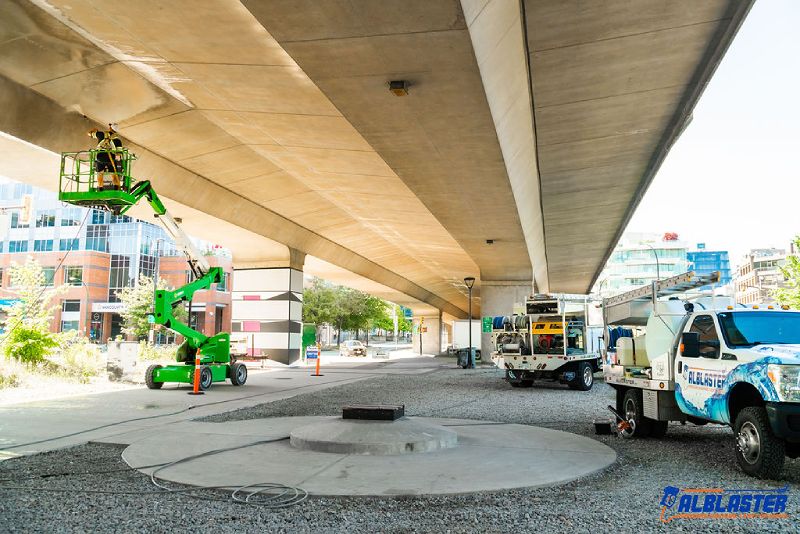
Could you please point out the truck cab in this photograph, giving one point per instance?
(712, 361)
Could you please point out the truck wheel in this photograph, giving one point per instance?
(633, 408)
(584, 377)
(238, 373)
(149, 379)
(758, 452)
(206, 378)
(516, 381)
(658, 429)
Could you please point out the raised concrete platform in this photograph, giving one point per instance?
(404, 436)
(488, 457)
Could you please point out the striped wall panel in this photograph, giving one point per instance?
(267, 312)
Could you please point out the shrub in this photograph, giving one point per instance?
(29, 345)
(156, 353)
(9, 380)
(80, 359)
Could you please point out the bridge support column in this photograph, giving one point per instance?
(499, 297)
(267, 309)
(427, 337)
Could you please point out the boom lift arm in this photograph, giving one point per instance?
(77, 186)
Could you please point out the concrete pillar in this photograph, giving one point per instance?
(430, 336)
(500, 297)
(267, 310)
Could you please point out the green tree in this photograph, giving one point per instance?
(138, 301)
(345, 308)
(790, 295)
(28, 337)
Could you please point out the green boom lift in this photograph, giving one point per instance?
(78, 186)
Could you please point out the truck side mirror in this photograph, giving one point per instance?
(690, 344)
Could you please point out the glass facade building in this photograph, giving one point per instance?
(639, 259)
(94, 251)
(704, 262)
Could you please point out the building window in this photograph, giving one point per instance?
(15, 223)
(97, 238)
(121, 275)
(17, 246)
(116, 219)
(73, 276)
(68, 244)
(98, 217)
(43, 245)
(1, 277)
(70, 305)
(49, 275)
(71, 217)
(223, 285)
(69, 325)
(46, 219)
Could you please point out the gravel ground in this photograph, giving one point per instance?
(624, 497)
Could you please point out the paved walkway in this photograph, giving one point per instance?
(47, 425)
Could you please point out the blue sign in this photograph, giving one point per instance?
(312, 352)
(701, 246)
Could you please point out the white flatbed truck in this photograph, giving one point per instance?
(550, 342)
(707, 360)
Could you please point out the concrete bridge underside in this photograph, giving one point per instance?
(269, 126)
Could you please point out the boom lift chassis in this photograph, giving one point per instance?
(78, 186)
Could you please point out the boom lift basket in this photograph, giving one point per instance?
(78, 182)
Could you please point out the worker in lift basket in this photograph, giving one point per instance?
(107, 159)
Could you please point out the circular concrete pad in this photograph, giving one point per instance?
(349, 436)
(489, 457)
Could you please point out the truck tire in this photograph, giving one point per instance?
(758, 452)
(206, 378)
(633, 408)
(584, 377)
(238, 372)
(149, 379)
(517, 382)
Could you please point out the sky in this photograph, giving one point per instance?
(732, 180)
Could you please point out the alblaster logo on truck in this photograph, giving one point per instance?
(704, 378)
(719, 503)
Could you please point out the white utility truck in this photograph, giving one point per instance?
(705, 359)
(551, 341)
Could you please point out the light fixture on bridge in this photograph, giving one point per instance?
(399, 87)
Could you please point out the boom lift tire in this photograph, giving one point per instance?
(238, 372)
(584, 377)
(149, 379)
(633, 408)
(206, 378)
(758, 452)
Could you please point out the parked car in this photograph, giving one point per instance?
(352, 347)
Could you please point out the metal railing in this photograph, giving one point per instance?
(79, 169)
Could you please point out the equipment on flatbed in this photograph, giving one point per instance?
(78, 186)
(552, 341)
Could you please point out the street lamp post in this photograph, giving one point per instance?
(469, 282)
(658, 266)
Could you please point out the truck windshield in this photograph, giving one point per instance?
(760, 328)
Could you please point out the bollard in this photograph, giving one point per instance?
(196, 388)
